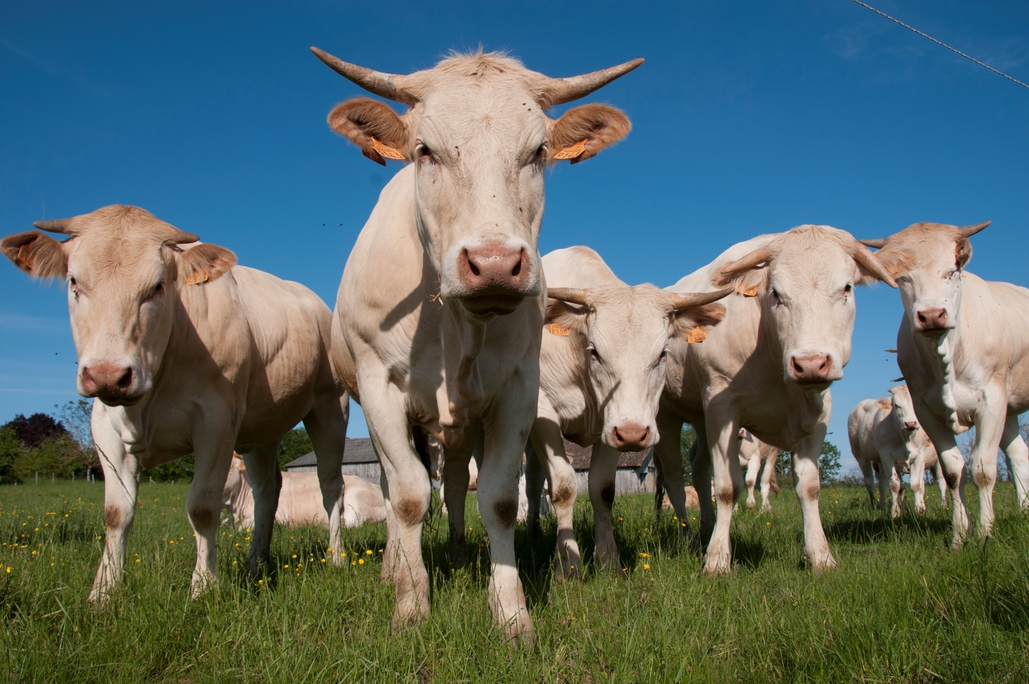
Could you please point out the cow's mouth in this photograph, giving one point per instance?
(492, 304)
(118, 399)
(813, 385)
(935, 331)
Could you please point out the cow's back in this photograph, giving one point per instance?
(300, 501)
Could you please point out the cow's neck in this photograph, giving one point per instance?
(940, 354)
(461, 390)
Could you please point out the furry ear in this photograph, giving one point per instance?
(748, 274)
(584, 131)
(963, 252)
(203, 263)
(37, 254)
(564, 319)
(372, 126)
(690, 323)
(895, 259)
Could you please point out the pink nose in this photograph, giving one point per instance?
(630, 436)
(910, 425)
(494, 269)
(811, 368)
(107, 381)
(932, 319)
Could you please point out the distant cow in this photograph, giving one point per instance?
(300, 500)
(758, 459)
(440, 308)
(187, 353)
(766, 367)
(602, 368)
(963, 347)
(885, 437)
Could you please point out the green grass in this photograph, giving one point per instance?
(901, 607)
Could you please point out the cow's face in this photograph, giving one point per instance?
(805, 279)
(903, 409)
(625, 331)
(480, 140)
(124, 269)
(928, 261)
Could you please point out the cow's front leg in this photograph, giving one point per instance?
(455, 491)
(550, 454)
(891, 467)
(327, 426)
(868, 476)
(506, 429)
(1018, 459)
(725, 459)
(753, 468)
(953, 465)
(212, 457)
(121, 485)
(916, 469)
(266, 482)
(808, 488)
(767, 473)
(982, 466)
(668, 464)
(603, 467)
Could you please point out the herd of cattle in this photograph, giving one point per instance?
(450, 326)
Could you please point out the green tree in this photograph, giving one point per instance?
(829, 462)
(181, 469)
(10, 450)
(294, 444)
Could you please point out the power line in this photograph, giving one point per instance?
(954, 50)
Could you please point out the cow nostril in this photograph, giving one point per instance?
(125, 380)
(517, 267)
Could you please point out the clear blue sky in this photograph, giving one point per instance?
(749, 117)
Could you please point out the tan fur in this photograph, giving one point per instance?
(37, 254)
(599, 125)
(361, 119)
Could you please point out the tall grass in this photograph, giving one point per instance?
(901, 606)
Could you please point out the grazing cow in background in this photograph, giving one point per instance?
(441, 304)
(187, 353)
(766, 367)
(758, 459)
(885, 436)
(963, 348)
(299, 499)
(602, 369)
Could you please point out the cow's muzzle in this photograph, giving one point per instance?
(113, 385)
(812, 371)
(933, 321)
(495, 278)
(630, 437)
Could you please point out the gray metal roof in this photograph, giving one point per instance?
(358, 450)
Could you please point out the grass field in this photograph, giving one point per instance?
(902, 607)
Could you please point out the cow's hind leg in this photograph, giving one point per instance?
(668, 463)
(121, 472)
(603, 466)
(767, 473)
(753, 468)
(725, 459)
(212, 457)
(1018, 459)
(917, 478)
(327, 426)
(266, 481)
(550, 452)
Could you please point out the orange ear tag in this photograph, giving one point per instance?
(696, 335)
(573, 151)
(559, 330)
(751, 292)
(386, 151)
(198, 277)
(884, 405)
(242, 468)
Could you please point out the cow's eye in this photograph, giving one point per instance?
(158, 289)
(424, 153)
(541, 153)
(848, 288)
(593, 353)
(74, 288)
(776, 297)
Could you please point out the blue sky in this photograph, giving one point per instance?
(749, 117)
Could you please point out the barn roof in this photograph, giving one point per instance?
(358, 450)
(581, 457)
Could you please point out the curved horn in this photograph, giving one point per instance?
(969, 231)
(560, 90)
(724, 274)
(685, 301)
(876, 243)
(54, 226)
(573, 295)
(864, 256)
(181, 237)
(890, 351)
(389, 86)
(900, 379)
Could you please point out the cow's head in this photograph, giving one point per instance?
(624, 332)
(124, 269)
(928, 261)
(480, 140)
(903, 409)
(805, 279)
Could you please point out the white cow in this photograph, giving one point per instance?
(885, 437)
(441, 304)
(300, 499)
(766, 367)
(963, 347)
(186, 353)
(602, 368)
(758, 459)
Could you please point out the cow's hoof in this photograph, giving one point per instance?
(823, 563)
(519, 633)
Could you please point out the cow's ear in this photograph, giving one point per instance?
(37, 254)
(749, 274)
(202, 263)
(372, 126)
(584, 131)
(691, 323)
(963, 252)
(564, 319)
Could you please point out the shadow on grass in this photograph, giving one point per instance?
(877, 529)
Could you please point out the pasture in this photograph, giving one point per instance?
(902, 607)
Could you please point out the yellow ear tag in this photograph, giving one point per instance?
(696, 335)
(242, 468)
(573, 151)
(198, 277)
(559, 330)
(884, 405)
(385, 150)
(751, 292)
